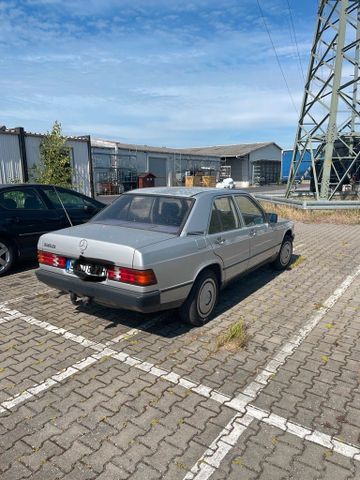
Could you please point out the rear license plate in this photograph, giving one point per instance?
(93, 270)
(90, 269)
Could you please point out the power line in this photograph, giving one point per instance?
(277, 56)
(295, 38)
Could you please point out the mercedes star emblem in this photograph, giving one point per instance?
(83, 245)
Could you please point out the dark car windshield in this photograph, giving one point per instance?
(146, 212)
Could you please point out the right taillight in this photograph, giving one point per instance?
(142, 278)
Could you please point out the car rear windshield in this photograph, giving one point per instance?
(147, 212)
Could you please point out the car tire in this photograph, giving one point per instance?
(199, 306)
(284, 256)
(7, 256)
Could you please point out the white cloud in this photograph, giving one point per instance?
(157, 71)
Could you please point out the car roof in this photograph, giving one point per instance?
(183, 191)
(17, 185)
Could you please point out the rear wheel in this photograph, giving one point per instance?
(199, 306)
(7, 256)
(283, 259)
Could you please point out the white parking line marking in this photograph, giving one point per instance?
(25, 297)
(103, 351)
(230, 434)
(241, 401)
(50, 382)
(313, 436)
(237, 404)
(135, 331)
(262, 379)
(219, 448)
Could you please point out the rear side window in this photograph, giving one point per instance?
(251, 213)
(21, 199)
(223, 216)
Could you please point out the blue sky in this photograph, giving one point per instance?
(159, 72)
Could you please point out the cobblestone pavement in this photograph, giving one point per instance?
(90, 392)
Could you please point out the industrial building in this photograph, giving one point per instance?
(117, 165)
(250, 163)
(103, 167)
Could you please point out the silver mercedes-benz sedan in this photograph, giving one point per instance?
(160, 248)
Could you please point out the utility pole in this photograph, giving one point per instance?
(329, 124)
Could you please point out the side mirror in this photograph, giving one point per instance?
(272, 217)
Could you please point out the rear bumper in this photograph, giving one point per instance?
(103, 294)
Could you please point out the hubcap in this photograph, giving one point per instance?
(4, 256)
(285, 254)
(206, 297)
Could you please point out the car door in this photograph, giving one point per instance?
(28, 216)
(229, 240)
(263, 241)
(79, 208)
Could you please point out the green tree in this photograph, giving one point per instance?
(55, 160)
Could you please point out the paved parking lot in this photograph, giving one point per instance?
(90, 392)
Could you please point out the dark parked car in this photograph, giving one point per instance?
(27, 211)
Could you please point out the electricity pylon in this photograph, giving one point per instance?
(329, 124)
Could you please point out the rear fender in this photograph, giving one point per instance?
(217, 267)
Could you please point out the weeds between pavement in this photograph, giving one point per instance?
(235, 337)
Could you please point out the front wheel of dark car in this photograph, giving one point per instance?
(7, 256)
(199, 306)
(283, 259)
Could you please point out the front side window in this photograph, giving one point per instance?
(251, 213)
(148, 212)
(223, 216)
(21, 199)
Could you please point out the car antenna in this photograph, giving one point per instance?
(66, 213)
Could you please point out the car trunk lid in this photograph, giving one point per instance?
(109, 243)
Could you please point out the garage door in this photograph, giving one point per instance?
(157, 166)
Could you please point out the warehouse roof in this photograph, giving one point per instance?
(96, 142)
(17, 131)
(236, 150)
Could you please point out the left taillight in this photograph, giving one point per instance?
(48, 258)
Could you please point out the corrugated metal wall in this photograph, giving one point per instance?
(11, 166)
(239, 168)
(10, 158)
(81, 178)
(32, 145)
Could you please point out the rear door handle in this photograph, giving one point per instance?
(253, 232)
